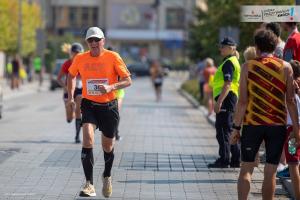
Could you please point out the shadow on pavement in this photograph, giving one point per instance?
(177, 181)
(36, 142)
(156, 105)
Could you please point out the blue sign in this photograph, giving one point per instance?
(173, 44)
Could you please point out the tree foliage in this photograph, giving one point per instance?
(54, 50)
(9, 27)
(204, 32)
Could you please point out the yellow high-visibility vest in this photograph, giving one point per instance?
(219, 78)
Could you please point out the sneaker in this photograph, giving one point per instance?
(107, 187)
(284, 173)
(217, 164)
(281, 167)
(77, 140)
(235, 165)
(118, 138)
(88, 190)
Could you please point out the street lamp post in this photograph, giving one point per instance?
(156, 5)
(20, 27)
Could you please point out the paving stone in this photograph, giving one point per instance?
(164, 153)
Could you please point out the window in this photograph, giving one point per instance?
(175, 18)
(57, 16)
(94, 17)
(72, 16)
(85, 16)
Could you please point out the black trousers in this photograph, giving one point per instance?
(223, 127)
(201, 89)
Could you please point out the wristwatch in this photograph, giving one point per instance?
(236, 127)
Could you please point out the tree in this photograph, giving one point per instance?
(31, 21)
(54, 50)
(8, 26)
(204, 33)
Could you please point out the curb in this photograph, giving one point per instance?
(26, 89)
(189, 97)
(286, 183)
(211, 119)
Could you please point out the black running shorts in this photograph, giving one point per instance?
(252, 137)
(104, 115)
(77, 92)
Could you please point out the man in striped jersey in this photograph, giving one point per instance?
(266, 93)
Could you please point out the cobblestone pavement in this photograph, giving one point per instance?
(163, 155)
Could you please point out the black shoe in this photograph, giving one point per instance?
(217, 164)
(235, 165)
(118, 138)
(77, 140)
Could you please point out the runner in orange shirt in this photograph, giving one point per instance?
(99, 69)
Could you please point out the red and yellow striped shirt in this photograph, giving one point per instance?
(266, 92)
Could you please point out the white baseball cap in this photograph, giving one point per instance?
(94, 32)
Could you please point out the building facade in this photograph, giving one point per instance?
(73, 16)
(135, 28)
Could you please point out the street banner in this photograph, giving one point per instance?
(270, 13)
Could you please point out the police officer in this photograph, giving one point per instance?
(225, 93)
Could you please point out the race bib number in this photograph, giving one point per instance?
(93, 86)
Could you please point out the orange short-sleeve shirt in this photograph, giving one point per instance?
(104, 69)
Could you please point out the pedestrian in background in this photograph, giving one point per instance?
(266, 91)
(72, 111)
(208, 73)
(291, 51)
(225, 93)
(282, 169)
(249, 53)
(15, 78)
(8, 71)
(102, 73)
(276, 29)
(37, 65)
(293, 158)
(201, 82)
(120, 96)
(157, 75)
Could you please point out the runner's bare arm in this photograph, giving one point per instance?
(224, 93)
(123, 83)
(59, 79)
(290, 100)
(241, 105)
(71, 86)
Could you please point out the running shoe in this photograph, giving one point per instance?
(281, 167)
(107, 186)
(118, 138)
(77, 140)
(218, 164)
(88, 190)
(284, 173)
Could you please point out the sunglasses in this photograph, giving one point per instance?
(90, 40)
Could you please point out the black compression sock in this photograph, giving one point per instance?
(109, 159)
(87, 159)
(78, 126)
